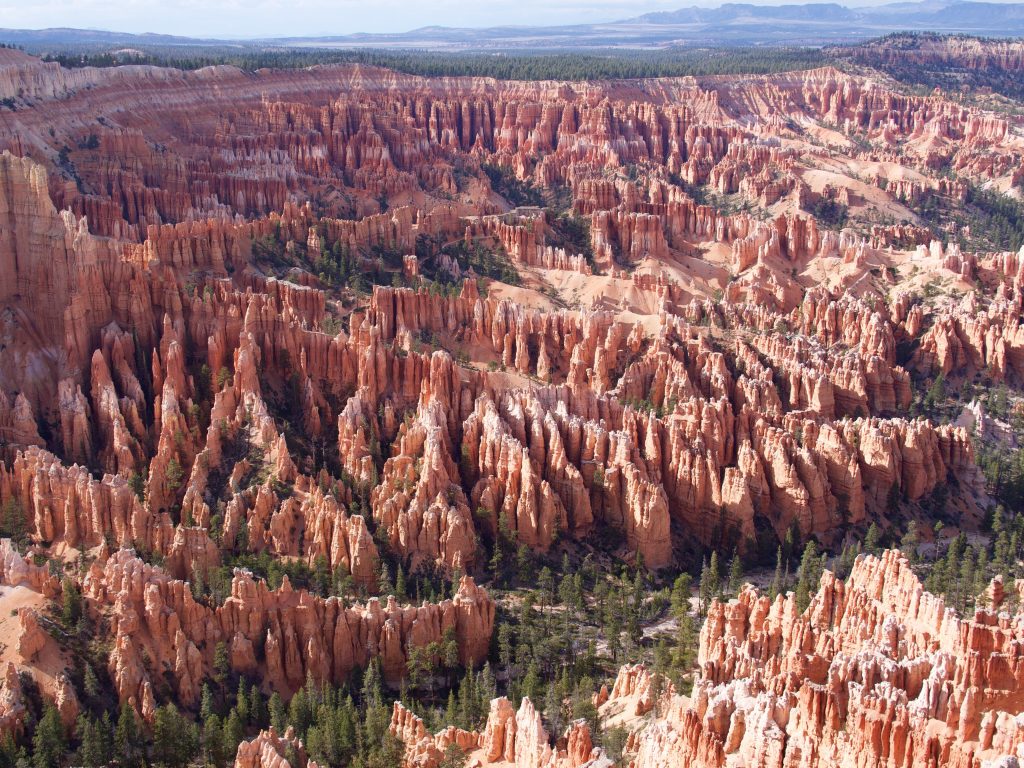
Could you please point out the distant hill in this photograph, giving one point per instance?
(728, 24)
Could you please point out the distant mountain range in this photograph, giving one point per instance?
(729, 24)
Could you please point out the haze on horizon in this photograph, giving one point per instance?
(306, 18)
(236, 19)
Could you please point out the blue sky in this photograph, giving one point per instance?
(252, 18)
(237, 18)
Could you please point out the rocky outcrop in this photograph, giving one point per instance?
(285, 636)
(12, 701)
(31, 638)
(270, 750)
(874, 669)
(509, 738)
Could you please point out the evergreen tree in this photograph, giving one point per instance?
(710, 583)
(910, 542)
(95, 749)
(71, 603)
(221, 665)
(680, 600)
(531, 683)
(175, 739)
(257, 708)
(384, 585)
(400, 588)
(91, 683)
(214, 747)
(206, 706)
(454, 757)
(553, 709)
(234, 731)
(278, 713)
(48, 743)
(735, 573)
(127, 739)
(808, 575)
(778, 584)
(873, 540)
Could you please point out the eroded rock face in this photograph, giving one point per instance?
(32, 638)
(270, 750)
(12, 701)
(284, 636)
(184, 373)
(509, 738)
(643, 427)
(876, 669)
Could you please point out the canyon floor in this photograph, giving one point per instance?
(351, 417)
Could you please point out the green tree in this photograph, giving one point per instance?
(175, 739)
(13, 523)
(90, 682)
(278, 713)
(873, 540)
(778, 584)
(95, 749)
(221, 665)
(71, 603)
(710, 583)
(214, 747)
(911, 541)
(137, 482)
(234, 731)
(384, 585)
(808, 575)
(400, 588)
(127, 739)
(454, 757)
(680, 599)
(174, 474)
(735, 573)
(49, 745)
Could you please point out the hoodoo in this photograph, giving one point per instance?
(546, 415)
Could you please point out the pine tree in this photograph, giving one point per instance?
(71, 603)
(127, 739)
(981, 571)
(278, 713)
(175, 739)
(234, 731)
(778, 584)
(873, 540)
(214, 747)
(553, 709)
(48, 743)
(450, 711)
(710, 583)
(221, 665)
(808, 575)
(91, 682)
(967, 582)
(400, 584)
(257, 708)
(384, 585)
(498, 559)
(531, 683)
(487, 687)
(735, 573)
(372, 692)
(95, 749)
(300, 715)
(910, 542)
(242, 702)
(454, 757)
